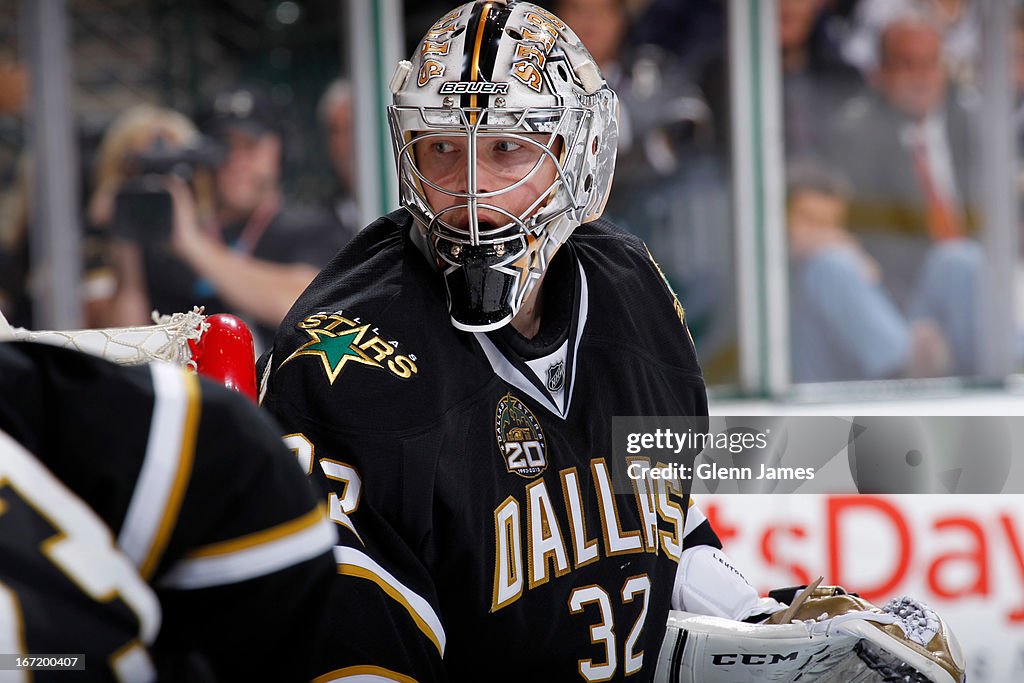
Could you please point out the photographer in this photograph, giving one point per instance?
(244, 252)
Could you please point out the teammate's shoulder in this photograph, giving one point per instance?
(42, 384)
(64, 406)
(42, 376)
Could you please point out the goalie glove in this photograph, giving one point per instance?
(831, 637)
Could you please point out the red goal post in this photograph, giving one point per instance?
(217, 346)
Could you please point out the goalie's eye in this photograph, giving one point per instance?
(507, 146)
(442, 147)
(440, 157)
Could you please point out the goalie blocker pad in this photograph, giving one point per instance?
(834, 639)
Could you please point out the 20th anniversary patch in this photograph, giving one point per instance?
(520, 438)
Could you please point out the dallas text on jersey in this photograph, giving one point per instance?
(547, 541)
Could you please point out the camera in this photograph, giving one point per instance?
(143, 209)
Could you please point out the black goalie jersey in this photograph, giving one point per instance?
(470, 474)
(153, 523)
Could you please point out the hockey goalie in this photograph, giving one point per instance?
(449, 382)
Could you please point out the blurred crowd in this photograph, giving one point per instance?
(181, 213)
(879, 124)
(880, 135)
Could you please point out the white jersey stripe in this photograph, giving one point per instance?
(132, 664)
(584, 312)
(353, 562)
(694, 518)
(511, 374)
(252, 561)
(160, 469)
(508, 372)
(12, 633)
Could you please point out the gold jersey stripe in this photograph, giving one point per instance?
(260, 537)
(363, 573)
(353, 562)
(367, 672)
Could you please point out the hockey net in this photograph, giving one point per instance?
(218, 346)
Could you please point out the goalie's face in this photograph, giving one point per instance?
(484, 193)
(508, 178)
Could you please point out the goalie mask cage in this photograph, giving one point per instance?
(217, 346)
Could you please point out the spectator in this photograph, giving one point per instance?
(844, 324)
(1018, 86)
(816, 82)
(958, 20)
(660, 111)
(16, 189)
(668, 188)
(909, 151)
(251, 254)
(336, 118)
(14, 256)
(15, 302)
(136, 130)
(693, 30)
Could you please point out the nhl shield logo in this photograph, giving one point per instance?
(520, 438)
(556, 376)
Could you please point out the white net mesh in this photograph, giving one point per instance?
(167, 339)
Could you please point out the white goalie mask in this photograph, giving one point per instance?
(512, 92)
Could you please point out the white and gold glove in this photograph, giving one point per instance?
(825, 635)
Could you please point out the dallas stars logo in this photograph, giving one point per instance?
(337, 341)
(335, 350)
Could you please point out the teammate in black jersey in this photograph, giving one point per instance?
(450, 377)
(152, 522)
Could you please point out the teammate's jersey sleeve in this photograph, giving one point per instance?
(203, 502)
(384, 618)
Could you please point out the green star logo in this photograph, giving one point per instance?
(335, 350)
